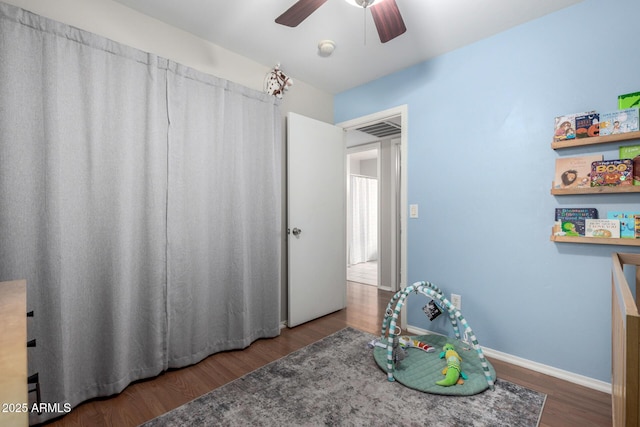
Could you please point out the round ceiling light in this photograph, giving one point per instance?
(326, 47)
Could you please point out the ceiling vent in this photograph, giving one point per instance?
(382, 129)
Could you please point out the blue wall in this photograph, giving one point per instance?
(480, 167)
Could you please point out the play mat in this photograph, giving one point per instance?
(421, 369)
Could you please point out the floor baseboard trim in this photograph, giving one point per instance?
(535, 366)
(549, 370)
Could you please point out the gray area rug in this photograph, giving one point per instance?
(336, 382)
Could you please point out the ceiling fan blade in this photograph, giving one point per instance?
(388, 20)
(299, 12)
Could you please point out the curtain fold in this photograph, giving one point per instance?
(364, 216)
(138, 199)
(223, 216)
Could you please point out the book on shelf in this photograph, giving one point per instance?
(629, 100)
(587, 125)
(565, 126)
(632, 152)
(571, 221)
(605, 228)
(612, 172)
(620, 121)
(574, 172)
(627, 222)
(637, 218)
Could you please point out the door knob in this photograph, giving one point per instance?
(296, 231)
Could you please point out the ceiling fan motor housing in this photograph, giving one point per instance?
(365, 3)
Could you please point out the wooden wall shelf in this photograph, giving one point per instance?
(595, 240)
(596, 190)
(581, 142)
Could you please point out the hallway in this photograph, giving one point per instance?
(364, 272)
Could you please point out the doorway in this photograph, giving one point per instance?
(363, 243)
(376, 145)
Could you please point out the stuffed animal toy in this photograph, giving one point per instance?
(453, 373)
(398, 352)
(277, 82)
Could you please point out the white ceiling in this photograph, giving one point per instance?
(434, 27)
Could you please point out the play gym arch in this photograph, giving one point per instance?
(389, 324)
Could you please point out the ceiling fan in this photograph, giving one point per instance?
(385, 13)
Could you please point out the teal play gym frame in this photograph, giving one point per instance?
(432, 291)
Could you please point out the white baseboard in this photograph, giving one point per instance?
(283, 324)
(535, 366)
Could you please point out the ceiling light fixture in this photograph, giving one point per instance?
(362, 3)
(326, 47)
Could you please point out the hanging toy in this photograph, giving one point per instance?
(277, 82)
(407, 342)
(398, 351)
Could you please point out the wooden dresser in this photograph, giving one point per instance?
(13, 354)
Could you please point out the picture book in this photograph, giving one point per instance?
(629, 151)
(612, 172)
(632, 152)
(606, 228)
(565, 126)
(637, 218)
(620, 121)
(572, 220)
(574, 171)
(587, 125)
(627, 223)
(629, 100)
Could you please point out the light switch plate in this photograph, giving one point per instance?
(413, 211)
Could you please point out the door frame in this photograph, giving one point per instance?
(401, 111)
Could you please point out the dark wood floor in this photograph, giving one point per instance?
(567, 404)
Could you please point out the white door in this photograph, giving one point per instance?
(316, 215)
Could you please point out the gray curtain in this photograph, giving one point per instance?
(364, 219)
(224, 216)
(139, 199)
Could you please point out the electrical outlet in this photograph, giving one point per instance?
(456, 300)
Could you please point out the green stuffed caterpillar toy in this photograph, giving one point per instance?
(452, 372)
